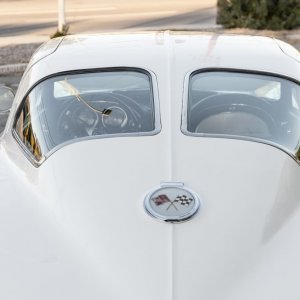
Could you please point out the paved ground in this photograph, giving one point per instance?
(39, 18)
(25, 24)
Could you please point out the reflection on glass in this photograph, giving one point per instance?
(74, 106)
(26, 132)
(246, 106)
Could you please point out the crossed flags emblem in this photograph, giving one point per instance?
(183, 200)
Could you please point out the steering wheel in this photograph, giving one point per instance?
(76, 120)
(256, 109)
(126, 115)
(101, 113)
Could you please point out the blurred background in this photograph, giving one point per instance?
(25, 24)
(40, 18)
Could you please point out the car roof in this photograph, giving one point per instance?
(175, 51)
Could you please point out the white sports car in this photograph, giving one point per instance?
(153, 166)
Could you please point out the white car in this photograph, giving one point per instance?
(153, 166)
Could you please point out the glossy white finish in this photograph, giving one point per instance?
(75, 228)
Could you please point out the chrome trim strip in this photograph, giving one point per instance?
(168, 183)
(26, 151)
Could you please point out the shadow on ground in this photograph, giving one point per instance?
(190, 18)
(6, 31)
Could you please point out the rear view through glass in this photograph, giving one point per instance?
(246, 106)
(73, 106)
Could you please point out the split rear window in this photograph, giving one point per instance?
(75, 106)
(244, 106)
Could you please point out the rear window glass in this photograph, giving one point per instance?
(74, 106)
(247, 106)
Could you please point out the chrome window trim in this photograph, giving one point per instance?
(26, 151)
(157, 119)
(186, 93)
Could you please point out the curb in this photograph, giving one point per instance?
(14, 68)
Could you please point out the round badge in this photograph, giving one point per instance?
(172, 202)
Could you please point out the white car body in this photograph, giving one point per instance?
(75, 226)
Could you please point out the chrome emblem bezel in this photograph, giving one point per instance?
(175, 210)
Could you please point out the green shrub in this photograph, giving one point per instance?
(259, 14)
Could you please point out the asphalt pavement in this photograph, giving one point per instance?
(39, 18)
(25, 24)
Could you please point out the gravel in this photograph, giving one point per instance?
(16, 54)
